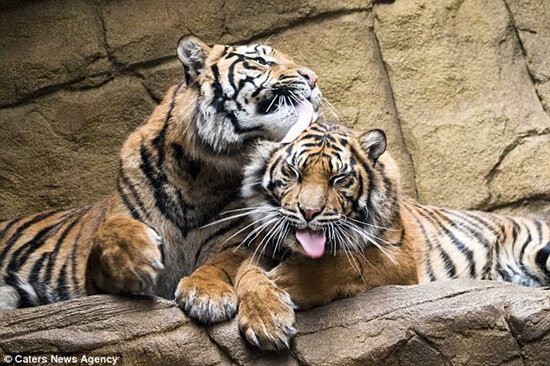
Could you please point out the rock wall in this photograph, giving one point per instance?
(447, 323)
(462, 87)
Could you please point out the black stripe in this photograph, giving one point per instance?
(526, 270)
(218, 102)
(9, 226)
(11, 279)
(231, 74)
(129, 206)
(450, 269)
(524, 246)
(135, 196)
(74, 258)
(449, 265)
(158, 141)
(542, 258)
(486, 220)
(539, 230)
(55, 252)
(163, 202)
(42, 293)
(62, 287)
(13, 239)
(467, 252)
(472, 220)
(23, 253)
(34, 275)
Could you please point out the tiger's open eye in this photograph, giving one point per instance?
(340, 179)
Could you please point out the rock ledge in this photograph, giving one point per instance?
(455, 322)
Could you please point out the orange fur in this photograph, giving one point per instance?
(178, 172)
(339, 183)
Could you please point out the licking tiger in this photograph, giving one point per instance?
(176, 173)
(327, 209)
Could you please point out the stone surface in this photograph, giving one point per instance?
(524, 165)
(154, 36)
(461, 87)
(62, 149)
(532, 23)
(43, 46)
(463, 92)
(454, 322)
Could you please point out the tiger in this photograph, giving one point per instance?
(177, 171)
(333, 223)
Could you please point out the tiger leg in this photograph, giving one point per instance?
(207, 295)
(125, 257)
(266, 312)
(314, 282)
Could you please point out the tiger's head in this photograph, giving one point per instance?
(330, 188)
(245, 92)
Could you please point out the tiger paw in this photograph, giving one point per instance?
(129, 257)
(206, 299)
(266, 317)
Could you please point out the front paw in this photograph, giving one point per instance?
(131, 264)
(266, 316)
(206, 300)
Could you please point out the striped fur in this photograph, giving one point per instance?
(363, 215)
(341, 184)
(177, 172)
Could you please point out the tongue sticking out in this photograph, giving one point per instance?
(313, 242)
(305, 117)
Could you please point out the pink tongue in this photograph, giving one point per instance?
(313, 242)
(305, 117)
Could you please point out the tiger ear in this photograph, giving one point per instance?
(192, 53)
(373, 143)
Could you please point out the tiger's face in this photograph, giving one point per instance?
(329, 188)
(245, 92)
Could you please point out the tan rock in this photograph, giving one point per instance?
(453, 322)
(159, 78)
(149, 30)
(62, 150)
(532, 23)
(155, 36)
(462, 90)
(43, 46)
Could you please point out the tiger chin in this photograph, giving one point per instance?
(327, 208)
(177, 172)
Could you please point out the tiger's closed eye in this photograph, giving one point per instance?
(295, 171)
(263, 61)
(340, 179)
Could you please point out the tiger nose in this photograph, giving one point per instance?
(310, 76)
(309, 213)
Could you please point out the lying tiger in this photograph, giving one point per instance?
(177, 172)
(327, 208)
